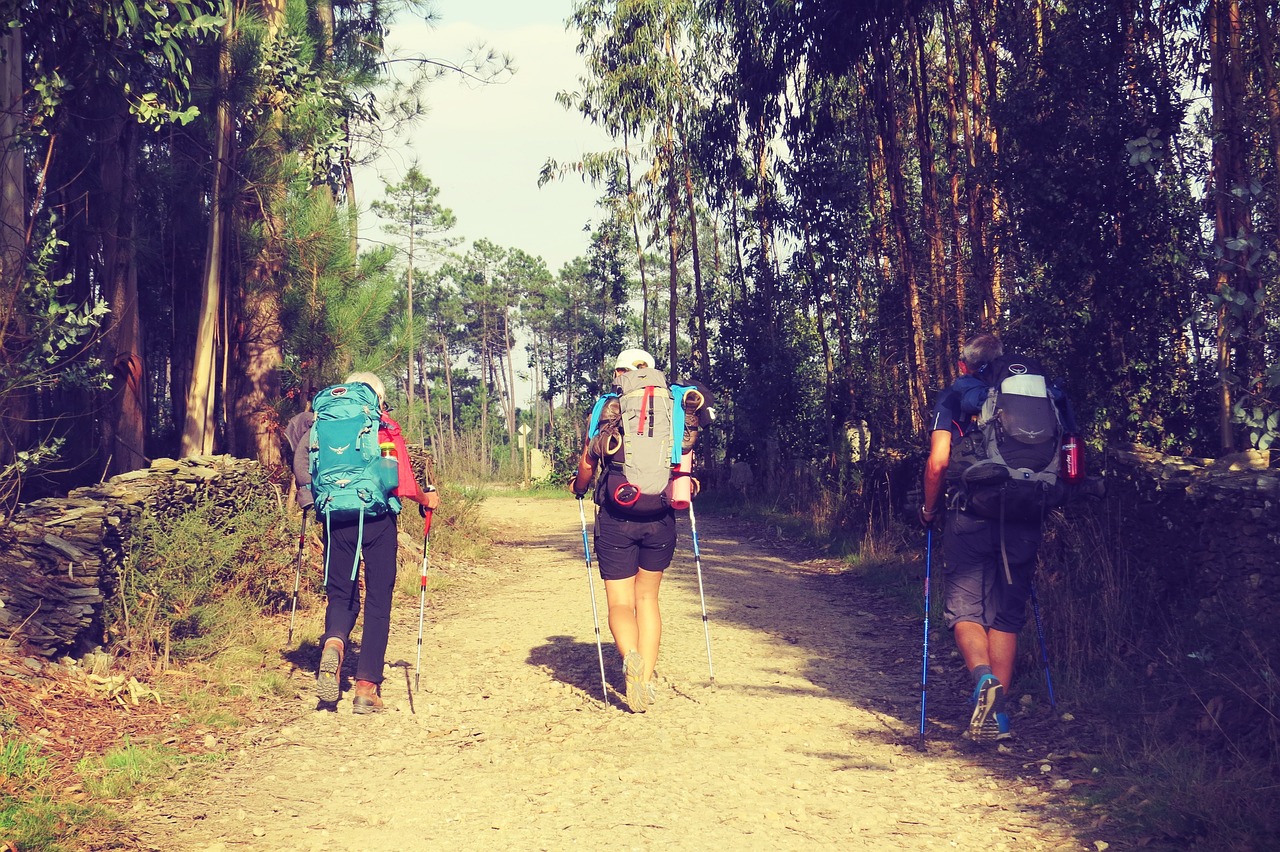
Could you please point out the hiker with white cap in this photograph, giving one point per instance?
(634, 539)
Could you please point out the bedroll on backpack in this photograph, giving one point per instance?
(633, 431)
(1007, 466)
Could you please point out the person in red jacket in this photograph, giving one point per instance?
(378, 546)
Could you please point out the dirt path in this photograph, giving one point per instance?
(805, 738)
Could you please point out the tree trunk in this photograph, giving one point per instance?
(633, 205)
(930, 213)
(890, 134)
(198, 429)
(14, 422)
(125, 425)
(955, 226)
(1230, 217)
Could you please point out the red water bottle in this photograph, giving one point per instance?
(1072, 459)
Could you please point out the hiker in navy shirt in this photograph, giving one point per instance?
(984, 611)
(375, 542)
(632, 553)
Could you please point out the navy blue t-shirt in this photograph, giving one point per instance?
(958, 405)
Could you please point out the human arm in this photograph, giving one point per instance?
(935, 472)
(302, 465)
(581, 480)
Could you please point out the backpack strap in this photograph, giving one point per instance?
(678, 418)
(328, 537)
(355, 566)
(594, 428)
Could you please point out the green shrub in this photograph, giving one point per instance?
(184, 566)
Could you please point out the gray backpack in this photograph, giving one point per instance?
(634, 434)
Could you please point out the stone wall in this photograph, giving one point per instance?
(63, 555)
(1169, 589)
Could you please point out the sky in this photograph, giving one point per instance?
(484, 145)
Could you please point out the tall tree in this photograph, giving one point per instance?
(413, 212)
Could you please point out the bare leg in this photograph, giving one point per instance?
(649, 619)
(1003, 648)
(982, 647)
(621, 598)
(971, 639)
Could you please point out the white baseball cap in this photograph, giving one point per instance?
(631, 359)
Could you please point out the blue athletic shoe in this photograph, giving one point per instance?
(1003, 732)
(987, 696)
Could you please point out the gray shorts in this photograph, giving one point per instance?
(976, 589)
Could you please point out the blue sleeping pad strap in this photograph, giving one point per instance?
(677, 419)
(594, 428)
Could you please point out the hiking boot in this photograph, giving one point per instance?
(367, 699)
(330, 673)
(987, 696)
(633, 668)
(1003, 731)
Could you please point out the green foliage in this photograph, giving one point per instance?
(130, 771)
(177, 590)
(44, 823)
(457, 535)
(47, 341)
(30, 817)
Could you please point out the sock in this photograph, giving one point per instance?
(979, 672)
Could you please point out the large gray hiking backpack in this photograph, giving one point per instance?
(633, 431)
(1007, 467)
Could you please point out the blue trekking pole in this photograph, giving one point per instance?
(1044, 649)
(924, 665)
(595, 616)
(697, 561)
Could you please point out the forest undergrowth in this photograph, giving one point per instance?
(1182, 736)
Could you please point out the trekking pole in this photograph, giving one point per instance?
(1044, 648)
(697, 562)
(297, 576)
(924, 665)
(595, 616)
(422, 594)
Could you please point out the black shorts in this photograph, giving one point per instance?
(624, 546)
(976, 589)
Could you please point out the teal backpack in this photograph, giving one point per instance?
(349, 477)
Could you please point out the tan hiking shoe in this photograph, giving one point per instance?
(328, 678)
(633, 668)
(367, 699)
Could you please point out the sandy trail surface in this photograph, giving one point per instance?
(806, 736)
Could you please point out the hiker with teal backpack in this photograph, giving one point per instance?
(352, 467)
(993, 472)
(639, 442)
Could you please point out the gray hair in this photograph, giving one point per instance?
(372, 381)
(980, 351)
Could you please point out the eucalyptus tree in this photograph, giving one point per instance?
(643, 61)
(97, 77)
(413, 212)
(485, 302)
